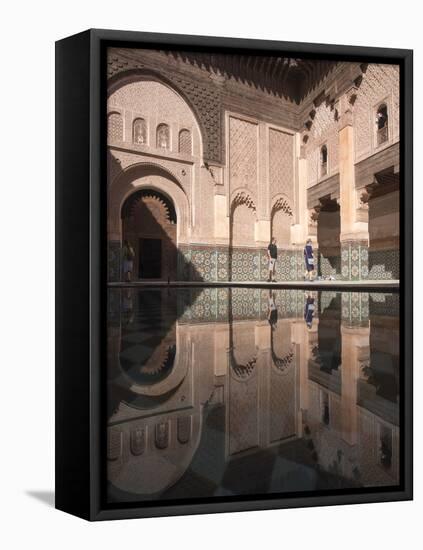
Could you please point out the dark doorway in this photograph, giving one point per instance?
(149, 224)
(150, 259)
(328, 238)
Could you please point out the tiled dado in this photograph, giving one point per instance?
(210, 263)
(329, 266)
(216, 263)
(384, 264)
(354, 260)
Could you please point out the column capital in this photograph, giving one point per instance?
(344, 107)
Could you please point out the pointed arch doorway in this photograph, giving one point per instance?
(149, 224)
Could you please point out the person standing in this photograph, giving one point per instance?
(309, 260)
(272, 315)
(309, 310)
(272, 254)
(128, 260)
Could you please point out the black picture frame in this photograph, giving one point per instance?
(81, 272)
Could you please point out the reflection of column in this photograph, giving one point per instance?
(354, 233)
(221, 346)
(302, 338)
(262, 336)
(353, 341)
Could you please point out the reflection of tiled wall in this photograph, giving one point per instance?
(384, 264)
(355, 309)
(224, 304)
(113, 261)
(384, 304)
(354, 260)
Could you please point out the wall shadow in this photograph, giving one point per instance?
(328, 238)
(46, 497)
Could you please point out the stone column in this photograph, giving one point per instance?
(300, 229)
(354, 233)
(354, 340)
(262, 228)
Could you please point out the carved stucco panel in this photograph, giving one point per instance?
(380, 84)
(281, 167)
(243, 150)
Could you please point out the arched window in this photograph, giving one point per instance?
(115, 126)
(382, 124)
(163, 136)
(185, 142)
(323, 160)
(139, 131)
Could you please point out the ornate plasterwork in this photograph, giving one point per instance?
(243, 149)
(380, 84)
(281, 163)
(323, 131)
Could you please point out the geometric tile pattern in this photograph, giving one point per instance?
(211, 263)
(386, 305)
(354, 260)
(215, 263)
(355, 309)
(384, 264)
(224, 304)
(329, 266)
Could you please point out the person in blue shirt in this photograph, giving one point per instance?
(309, 260)
(309, 310)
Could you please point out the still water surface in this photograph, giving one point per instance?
(220, 392)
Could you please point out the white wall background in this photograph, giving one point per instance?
(28, 31)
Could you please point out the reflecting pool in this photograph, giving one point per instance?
(245, 391)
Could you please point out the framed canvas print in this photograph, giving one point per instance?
(234, 274)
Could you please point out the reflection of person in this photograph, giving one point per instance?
(272, 315)
(127, 307)
(272, 254)
(309, 310)
(309, 260)
(128, 260)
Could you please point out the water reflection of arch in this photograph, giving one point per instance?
(282, 383)
(148, 455)
(155, 428)
(147, 362)
(281, 349)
